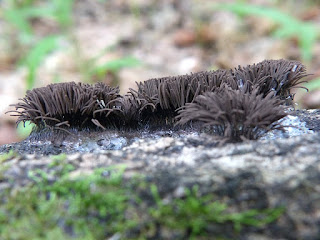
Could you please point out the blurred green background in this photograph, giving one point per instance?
(120, 42)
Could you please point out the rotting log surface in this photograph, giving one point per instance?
(250, 175)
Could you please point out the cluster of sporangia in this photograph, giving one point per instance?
(237, 103)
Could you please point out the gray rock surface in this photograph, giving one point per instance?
(268, 173)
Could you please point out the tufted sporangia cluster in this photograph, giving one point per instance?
(237, 103)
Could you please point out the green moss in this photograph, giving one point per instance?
(103, 204)
(76, 208)
(196, 213)
(7, 156)
(59, 158)
(4, 167)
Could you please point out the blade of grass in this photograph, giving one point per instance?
(115, 65)
(63, 11)
(306, 32)
(36, 56)
(313, 85)
(20, 17)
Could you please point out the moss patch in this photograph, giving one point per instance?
(6, 156)
(103, 204)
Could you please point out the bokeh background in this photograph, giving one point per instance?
(120, 42)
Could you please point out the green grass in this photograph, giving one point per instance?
(36, 55)
(313, 85)
(34, 49)
(99, 205)
(113, 66)
(307, 33)
(91, 68)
